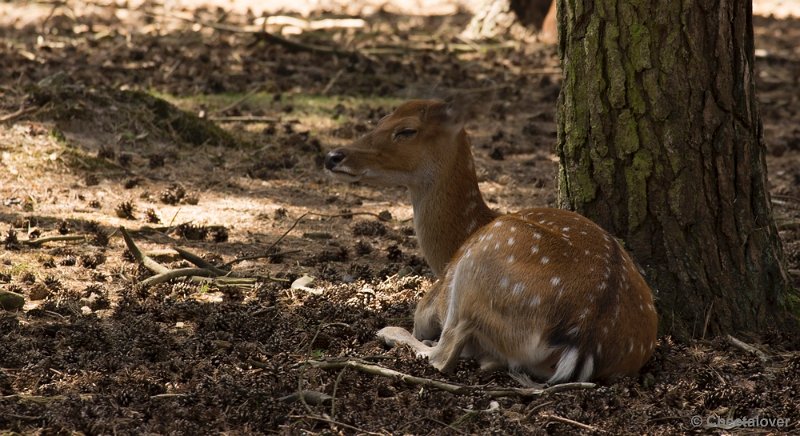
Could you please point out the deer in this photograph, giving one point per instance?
(543, 292)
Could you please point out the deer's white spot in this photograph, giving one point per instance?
(513, 229)
(537, 235)
(602, 286)
(510, 259)
(498, 223)
(504, 282)
(565, 229)
(534, 301)
(599, 348)
(510, 241)
(545, 260)
(555, 281)
(534, 249)
(497, 246)
(518, 288)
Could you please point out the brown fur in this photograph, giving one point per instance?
(542, 291)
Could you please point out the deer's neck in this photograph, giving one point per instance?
(449, 209)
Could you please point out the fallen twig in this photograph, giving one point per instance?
(241, 100)
(39, 241)
(331, 421)
(748, 348)
(331, 82)
(445, 386)
(41, 399)
(18, 113)
(157, 396)
(242, 119)
(571, 422)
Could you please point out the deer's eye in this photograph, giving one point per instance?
(404, 134)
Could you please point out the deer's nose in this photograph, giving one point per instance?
(334, 158)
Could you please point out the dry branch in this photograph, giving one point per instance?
(242, 119)
(40, 241)
(200, 262)
(40, 399)
(571, 422)
(18, 113)
(445, 386)
(174, 274)
(748, 348)
(200, 275)
(332, 422)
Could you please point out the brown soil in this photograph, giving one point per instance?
(93, 352)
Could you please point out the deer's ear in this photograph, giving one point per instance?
(467, 105)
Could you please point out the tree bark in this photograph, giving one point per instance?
(660, 142)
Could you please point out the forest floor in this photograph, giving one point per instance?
(88, 145)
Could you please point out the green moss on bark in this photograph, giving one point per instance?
(626, 136)
(636, 179)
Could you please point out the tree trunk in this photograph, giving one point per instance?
(660, 142)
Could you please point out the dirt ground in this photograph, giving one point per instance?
(94, 137)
